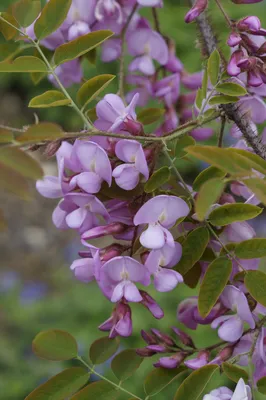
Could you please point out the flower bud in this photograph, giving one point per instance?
(104, 230)
(151, 305)
(163, 337)
(171, 362)
(145, 352)
(184, 337)
(251, 23)
(198, 362)
(234, 39)
(196, 10)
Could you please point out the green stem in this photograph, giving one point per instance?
(119, 387)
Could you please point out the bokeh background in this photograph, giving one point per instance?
(37, 290)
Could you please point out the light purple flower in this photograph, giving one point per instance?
(161, 213)
(199, 361)
(109, 9)
(237, 232)
(242, 392)
(159, 263)
(120, 273)
(68, 73)
(144, 88)
(113, 115)
(83, 269)
(150, 3)
(168, 89)
(231, 327)
(120, 322)
(146, 45)
(127, 175)
(79, 18)
(149, 303)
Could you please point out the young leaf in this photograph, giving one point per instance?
(51, 98)
(208, 194)
(125, 364)
(231, 89)
(199, 98)
(222, 99)
(61, 386)
(213, 66)
(8, 51)
(230, 162)
(41, 132)
(21, 162)
(55, 345)
(181, 144)
(206, 175)
(193, 248)
(234, 373)
(205, 83)
(258, 187)
(252, 248)
(100, 390)
(52, 16)
(26, 11)
(14, 182)
(24, 64)
(7, 30)
(77, 47)
(213, 284)
(91, 89)
(159, 378)
(193, 386)
(255, 282)
(150, 115)
(261, 385)
(103, 349)
(237, 212)
(158, 178)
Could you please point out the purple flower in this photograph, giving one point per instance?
(161, 213)
(127, 175)
(109, 9)
(149, 303)
(242, 392)
(146, 45)
(79, 18)
(144, 88)
(168, 89)
(198, 362)
(68, 73)
(237, 232)
(231, 327)
(120, 273)
(84, 269)
(120, 322)
(113, 115)
(170, 362)
(150, 3)
(196, 10)
(159, 261)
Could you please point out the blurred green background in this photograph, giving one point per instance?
(37, 291)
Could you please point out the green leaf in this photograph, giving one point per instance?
(21, 162)
(23, 64)
(150, 115)
(158, 178)
(125, 364)
(205, 83)
(192, 277)
(255, 282)
(206, 175)
(14, 182)
(103, 349)
(237, 212)
(61, 386)
(100, 390)
(181, 144)
(255, 161)
(7, 30)
(193, 248)
(208, 194)
(3, 223)
(8, 51)
(252, 248)
(55, 345)
(6, 136)
(224, 159)
(159, 378)
(52, 16)
(213, 66)
(26, 11)
(193, 386)
(199, 98)
(234, 373)
(231, 89)
(261, 385)
(41, 132)
(258, 187)
(51, 98)
(81, 45)
(213, 284)
(92, 88)
(222, 99)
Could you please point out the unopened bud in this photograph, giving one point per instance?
(184, 337)
(100, 231)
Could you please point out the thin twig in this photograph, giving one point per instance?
(221, 132)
